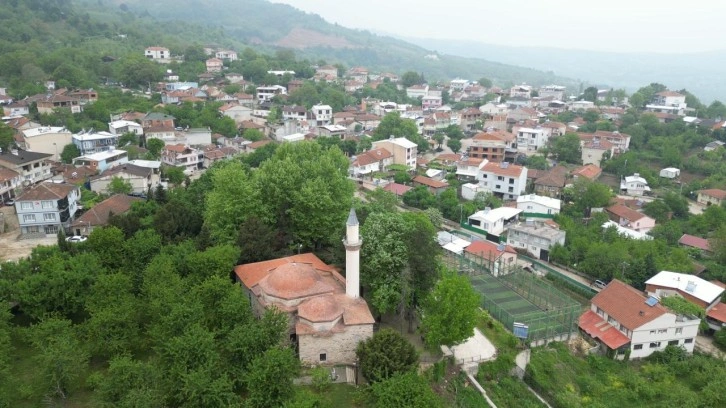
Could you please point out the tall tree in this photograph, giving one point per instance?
(269, 378)
(450, 312)
(70, 152)
(407, 390)
(386, 354)
(567, 148)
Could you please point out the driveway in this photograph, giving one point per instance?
(12, 248)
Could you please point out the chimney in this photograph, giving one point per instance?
(352, 243)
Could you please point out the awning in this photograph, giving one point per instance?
(599, 329)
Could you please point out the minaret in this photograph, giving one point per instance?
(352, 244)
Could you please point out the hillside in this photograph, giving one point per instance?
(261, 24)
(700, 73)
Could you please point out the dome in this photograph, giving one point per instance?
(320, 309)
(293, 280)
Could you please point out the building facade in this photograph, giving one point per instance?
(46, 208)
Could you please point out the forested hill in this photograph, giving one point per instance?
(261, 24)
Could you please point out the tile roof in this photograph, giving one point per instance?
(598, 328)
(555, 177)
(624, 212)
(99, 214)
(7, 174)
(511, 170)
(47, 191)
(448, 157)
(428, 182)
(250, 274)
(627, 305)
(718, 312)
(695, 242)
(714, 192)
(397, 189)
(589, 171)
(488, 250)
(23, 157)
(372, 156)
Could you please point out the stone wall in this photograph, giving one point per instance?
(339, 348)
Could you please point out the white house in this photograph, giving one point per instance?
(226, 55)
(531, 139)
(670, 172)
(46, 139)
(119, 127)
(626, 232)
(690, 287)
(536, 237)
(323, 114)
(265, 93)
(236, 112)
(493, 221)
(377, 159)
(634, 185)
(552, 91)
(31, 166)
(182, 156)
(404, 151)
(507, 181)
(623, 320)
(141, 179)
(95, 142)
(470, 190)
(417, 91)
(540, 205)
(102, 160)
(159, 54)
(46, 208)
(668, 102)
(469, 168)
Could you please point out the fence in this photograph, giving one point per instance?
(522, 297)
(555, 275)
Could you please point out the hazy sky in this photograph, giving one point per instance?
(615, 25)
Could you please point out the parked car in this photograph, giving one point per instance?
(76, 238)
(9, 202)
(599, 284)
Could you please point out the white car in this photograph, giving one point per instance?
(76, 238)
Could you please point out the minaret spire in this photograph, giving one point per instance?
(352, 244)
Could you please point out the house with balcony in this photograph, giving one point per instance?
(214, 65)
(538, 206)
(434, 186)
(158, 54)
(492, 145)
(531, 139)
(294, 112)
(322, 114)
(556, 92)
(634, 185)
(499, 259)
(429, 102)
(182, 156)
(622, 320)
(102, 160)
(494, 222)
(628, 218)
(520, 91)
(141, 179)
(266, 93)
(31, 166)
(698, 291)
(10, 182)
(668, 102)
(119, 127)
(417, 91)
(95, 142)
(404, 151)
(469, 169)
(504, 180)
(45, 139)
(46, 208)
(535, 236)
(621, 141)
(372, 161)
(50, 103)
(228, 55)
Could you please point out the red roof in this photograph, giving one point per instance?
(624, 212)
(627, 305)
(511, 170)
(598, 328)
(718, 312)
(488, 250)
(429, 182)
(589, 171)
(695, 242)
(714, 192)
(397, 189)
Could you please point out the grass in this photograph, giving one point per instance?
(338, 395)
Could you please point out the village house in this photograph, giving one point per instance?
(711, 196)
(499, 259)
(668, 102)
(702, 293)
(490, 146)
(50, 103)
(119, 127)
(417, 91)
(589, 171)
(538, 206)
(99, 214)
(266, 93)
(430, 102)
(404, 151)
(236, 112)
(520, 91)
(624, 321)
(435, 187)
(46, 208)
(153, 119)
(327, 318)
(141, 179)
(670, 173)
(31, 166)
(531, 139)
(504, 180)
(322, 114)
(469, 169)
(552, 182)
(214, 65)
(494, 222)
(228, 55)
(102, 160)
(182, 156)
(537, 237)
(95, 142)
(158, 54)
(10, 182)
(49, 140)
(595, 151)
(629, 218)
(691, 241)
(556, 92)
(634, 185)
(621, 141)
(372, 161)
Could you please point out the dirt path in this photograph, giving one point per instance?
(12, 248)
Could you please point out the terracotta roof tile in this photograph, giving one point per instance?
(598, 328)
(624, 212)
(99, 214)
(714, 192)
(512, 170)
(488, 250)
(47, 191)
(627, 305)
(397, 189)
(695, 242)
(718, 312)
(589, 171)
(428, 182)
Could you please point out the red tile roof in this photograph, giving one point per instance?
(589, 171)
(430, 182)
(251, 274)
(627, 305)
(397, 189)
(624, 212)
(598, 328)
(101, 212)
(488, 250)
(718, 312)
(47, 191)
(448, 157)
(714, 192)
(695, 242)
(512, 170)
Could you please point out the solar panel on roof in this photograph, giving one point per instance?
(691, 286)
(651, 301)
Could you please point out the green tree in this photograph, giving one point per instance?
(269, 378)
(590, 94)
(60, 357)
(6, 137)
(233, 198)
(257, 241)
(485, 82)
(154, 146)
(70, 152)
(128, 383)
(386, 354)
(450, 311)
(174, 174)
(454, 145)
(567, 148)
(253, 135)
(410, 78)
(118, 185)
(406, 390)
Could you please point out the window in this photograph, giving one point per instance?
(687, 341)
(500, 178)
(652, 332)
(29, 218)
(655, 344)
(51, 229)
(673, 343)
(662, 331)
(511, 189)
(638, 347)
(612, 321)
(323, 356)
(499, 186)
(511, 181)
(46, 204)
(600, 312)
(49, 216)
(679, 330)
(26, 206)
